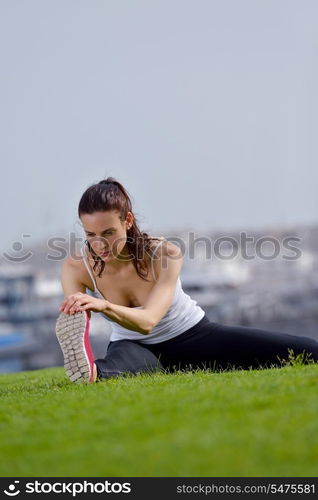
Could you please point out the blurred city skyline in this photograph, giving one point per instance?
(205, 111)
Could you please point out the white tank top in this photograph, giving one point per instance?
(183, 313)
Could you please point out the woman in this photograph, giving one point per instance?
(155, 324)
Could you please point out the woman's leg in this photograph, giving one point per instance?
(217, 346)
(126, 356)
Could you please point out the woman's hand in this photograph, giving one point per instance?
(82, 302)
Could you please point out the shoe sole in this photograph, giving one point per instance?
(72, 331)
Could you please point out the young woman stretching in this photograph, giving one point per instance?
(155, 324)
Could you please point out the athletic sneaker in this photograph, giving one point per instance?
(72, 331)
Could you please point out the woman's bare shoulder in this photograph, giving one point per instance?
(74, 268)
(155, 238)
(154, 241)
(167, 247)
(74, 261)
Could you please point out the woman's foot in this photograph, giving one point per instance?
(72, 331)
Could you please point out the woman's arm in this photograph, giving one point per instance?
(134, 319)
(162, 294)
(70, 278)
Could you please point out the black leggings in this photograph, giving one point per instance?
(206, 345)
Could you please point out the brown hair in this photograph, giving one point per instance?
(109, 194)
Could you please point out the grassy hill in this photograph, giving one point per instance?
(200, 423)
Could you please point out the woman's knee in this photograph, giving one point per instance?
(127, 357)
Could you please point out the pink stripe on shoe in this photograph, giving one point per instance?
(88, 349)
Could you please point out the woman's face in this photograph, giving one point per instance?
(106, 233)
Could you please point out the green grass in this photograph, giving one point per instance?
(201, 423)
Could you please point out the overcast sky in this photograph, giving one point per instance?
(207, 111)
